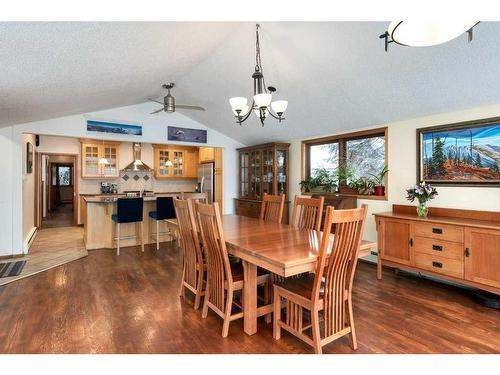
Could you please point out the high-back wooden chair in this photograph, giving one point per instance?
(193, 265)
(197, 197)
(223, 277)
(271, 208)
(307, 212)
(332, 297)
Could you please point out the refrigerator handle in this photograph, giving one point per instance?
(201, 183)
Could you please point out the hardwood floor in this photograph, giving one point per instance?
(130, 304)
(61, 216)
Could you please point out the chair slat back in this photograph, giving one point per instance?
(189, 241)
(271, 208)
(197, 197)
(214, 245)
(338, 269)
(307, 212)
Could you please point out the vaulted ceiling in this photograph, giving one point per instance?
(335, 75)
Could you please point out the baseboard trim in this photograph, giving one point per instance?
(29, 239)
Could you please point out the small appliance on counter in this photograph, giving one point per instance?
(109, 187)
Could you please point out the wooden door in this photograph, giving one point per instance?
(482, 256)
(395, 240)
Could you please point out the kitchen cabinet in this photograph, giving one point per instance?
(184, 162)
(206, 154)
(92, 151)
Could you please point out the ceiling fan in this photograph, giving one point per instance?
(169, 102)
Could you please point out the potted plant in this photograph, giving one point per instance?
(346, 178)
(379, 188)
(364, 185)
(422, 192)
(321, 178)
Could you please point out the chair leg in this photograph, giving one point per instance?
(204, 312)
(315, 332)
(352, 335)
(142, 236)
(182, 292)
(157, 234)
(197, 298)
(227, 317)
(277, 316)
(118, 239)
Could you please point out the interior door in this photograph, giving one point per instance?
(482, 256)
(396, 243)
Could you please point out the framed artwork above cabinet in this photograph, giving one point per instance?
(183, 160)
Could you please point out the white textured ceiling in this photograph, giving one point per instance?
(335, 75)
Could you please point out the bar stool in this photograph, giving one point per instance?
(128, 210)
(164, 210)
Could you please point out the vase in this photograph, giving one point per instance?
(422, 209)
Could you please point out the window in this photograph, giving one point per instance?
(349, 158)
(61, 175)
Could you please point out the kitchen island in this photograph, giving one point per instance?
(99, 228)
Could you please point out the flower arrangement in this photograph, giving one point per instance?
(422, 192)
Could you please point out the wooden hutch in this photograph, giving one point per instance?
(262, 169)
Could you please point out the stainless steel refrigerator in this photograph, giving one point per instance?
(206, 179)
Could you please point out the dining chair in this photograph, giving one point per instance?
(307, 212)
(197, 197)
(271, 208)
(164, 210)
(128, 210)
(223, 277)
(329, 291)
(193, 265)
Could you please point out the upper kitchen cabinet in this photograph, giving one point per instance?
(92, 152)
(207, 154)
(183, 161)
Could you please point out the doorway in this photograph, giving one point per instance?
(58, 190)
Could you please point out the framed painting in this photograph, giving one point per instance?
(114, 128)
(29, 157)
(466, 153)
(187, 135)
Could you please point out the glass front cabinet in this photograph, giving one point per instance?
(92, 152)
(263, 169)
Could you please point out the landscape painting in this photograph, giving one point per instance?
(110, 127)
(460, 154)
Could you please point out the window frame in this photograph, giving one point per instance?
(70, 166)
(342, 140)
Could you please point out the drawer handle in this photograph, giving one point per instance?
(437, 230)
(437, 247)
(437, 264)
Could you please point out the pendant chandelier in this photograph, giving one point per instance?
(262, 104)
(417, 33)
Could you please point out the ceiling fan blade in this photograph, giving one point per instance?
(158, 110)
(156, 101)
(195, 107)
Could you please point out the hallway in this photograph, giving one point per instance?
(61, 216)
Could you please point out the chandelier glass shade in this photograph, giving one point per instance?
(262, 104)
(424, 33)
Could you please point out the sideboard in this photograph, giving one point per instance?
(458, 245)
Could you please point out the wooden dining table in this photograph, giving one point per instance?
(278, 248)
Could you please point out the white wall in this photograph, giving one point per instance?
(154, 131)
(402, 164)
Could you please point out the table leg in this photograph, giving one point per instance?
(250, 298)
(379, 267)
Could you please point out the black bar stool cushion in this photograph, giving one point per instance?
(128, 210)
(164, 209)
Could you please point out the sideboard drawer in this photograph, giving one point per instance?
(445, 266)
(439, 231)
(434, 247)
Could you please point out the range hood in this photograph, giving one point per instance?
(137, 164)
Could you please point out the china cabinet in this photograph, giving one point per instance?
(263, 169)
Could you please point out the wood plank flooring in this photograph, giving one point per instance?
(130, 304)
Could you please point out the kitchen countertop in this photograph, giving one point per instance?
(123, 194)
(113, 199)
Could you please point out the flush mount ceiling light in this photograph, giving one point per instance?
(262, 104)
(426, 33)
